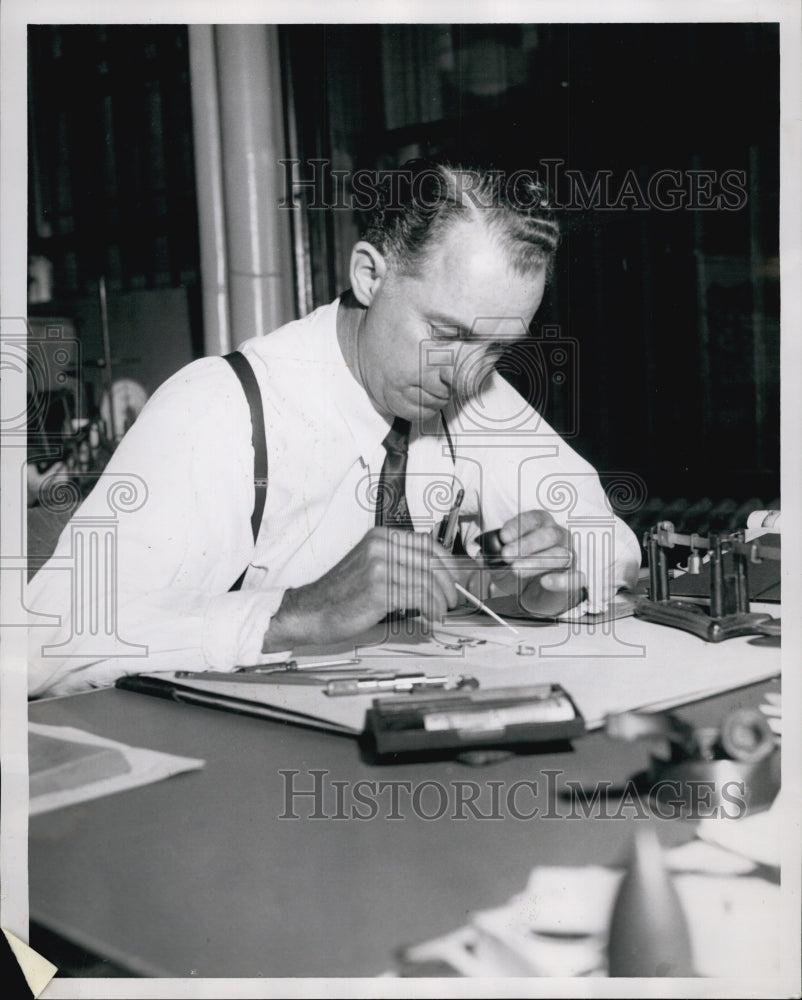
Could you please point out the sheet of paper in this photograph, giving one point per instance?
(558, 925)
(68, 765)
(614, 666)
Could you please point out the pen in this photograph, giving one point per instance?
(450, 531)
(484, 607)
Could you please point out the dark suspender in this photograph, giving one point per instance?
(244, 373)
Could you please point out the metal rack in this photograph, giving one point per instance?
(727, 612)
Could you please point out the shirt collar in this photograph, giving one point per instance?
(366, 425)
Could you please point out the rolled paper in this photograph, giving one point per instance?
(764, 519)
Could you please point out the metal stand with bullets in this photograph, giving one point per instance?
(727, 613)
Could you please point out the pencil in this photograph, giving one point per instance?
(484, 607)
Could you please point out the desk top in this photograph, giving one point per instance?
(201, 876)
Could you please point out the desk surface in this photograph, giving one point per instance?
(199, 876)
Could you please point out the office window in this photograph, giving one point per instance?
(111, 170)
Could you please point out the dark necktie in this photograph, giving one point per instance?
(391, 502)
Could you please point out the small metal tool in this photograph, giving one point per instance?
(318, 665)
(401, 683)
(284, 676)
(457, 642)
(483, 607)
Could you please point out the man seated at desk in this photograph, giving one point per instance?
(450, 272)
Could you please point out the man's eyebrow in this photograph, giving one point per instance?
(450, 321)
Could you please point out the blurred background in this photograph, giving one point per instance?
(164, 223)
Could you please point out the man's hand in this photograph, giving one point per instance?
(539, 554)
(386, 571)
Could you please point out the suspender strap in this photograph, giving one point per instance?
(244, 372)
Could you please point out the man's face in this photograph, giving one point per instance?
(436, 335)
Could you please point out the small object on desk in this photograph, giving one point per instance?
(448, 530)
(742, 751)
(487, 718)
(287, 675)
(746, 735)
(398, 683)
(483, 607)
(490, 545)
(648, 930)
(726, 614)
(323, 664)
(458, 642)
(764, 519)
(271, 668)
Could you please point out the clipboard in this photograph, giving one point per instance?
(205, 694)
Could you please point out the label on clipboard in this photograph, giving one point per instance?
(498, 719)
(490, 717)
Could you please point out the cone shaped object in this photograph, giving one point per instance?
(648, 930)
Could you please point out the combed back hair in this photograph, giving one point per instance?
(417, 203)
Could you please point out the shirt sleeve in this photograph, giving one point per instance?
(140, 578)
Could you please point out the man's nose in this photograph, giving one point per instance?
(446, 373)
(469, 360)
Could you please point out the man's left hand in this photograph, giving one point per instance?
(539, 553)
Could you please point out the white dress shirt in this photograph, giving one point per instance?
(183, 535)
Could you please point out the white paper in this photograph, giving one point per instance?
(145, 767)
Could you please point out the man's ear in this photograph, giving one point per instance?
(368, 269)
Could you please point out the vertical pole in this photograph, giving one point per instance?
(260, 256)
(662, 571)
(716, 578)
(304, 288)
(741, 577)
(209, 187)
(654, 577)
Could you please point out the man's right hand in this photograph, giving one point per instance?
(388, 570)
